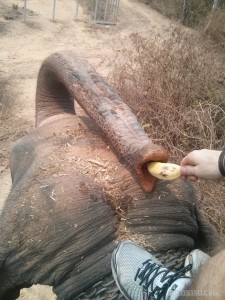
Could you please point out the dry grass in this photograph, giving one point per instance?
(215, 27)
(169, 8)
(5, 105)
(87, 5)
(11, 127)
(177, 90)
(197, 9)
(5, 99)
(199, 14)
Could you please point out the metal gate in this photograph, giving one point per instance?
(102, 11)
(105, 11)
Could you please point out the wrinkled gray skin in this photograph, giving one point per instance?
(78, 185)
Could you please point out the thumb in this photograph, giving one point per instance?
(187, 171)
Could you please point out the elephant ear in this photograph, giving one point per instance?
(8, 290)
(4, 292)
(207, 238)
(2, 259)
(21, 158)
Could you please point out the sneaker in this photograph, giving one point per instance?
(197, 259)
(140, 276)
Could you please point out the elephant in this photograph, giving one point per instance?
(80, 185)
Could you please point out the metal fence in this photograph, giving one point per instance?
(102, 11)
(105, 11)
(53, 10)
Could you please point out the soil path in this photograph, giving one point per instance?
(23, 47)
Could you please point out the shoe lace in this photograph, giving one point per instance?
(147, 273)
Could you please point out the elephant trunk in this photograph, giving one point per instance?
(64, 78)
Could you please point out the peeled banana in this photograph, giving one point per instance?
(165, 171)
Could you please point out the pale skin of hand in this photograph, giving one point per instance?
(204, 164)
(201, 164)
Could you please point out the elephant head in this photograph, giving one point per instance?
(80, 184)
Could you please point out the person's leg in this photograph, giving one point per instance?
(139, 275)
(210, 282)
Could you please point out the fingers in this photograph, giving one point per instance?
(188, 172)
(191, 178)
(201, 164)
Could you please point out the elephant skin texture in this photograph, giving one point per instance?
(80, 185)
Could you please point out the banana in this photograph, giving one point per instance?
(165, 171)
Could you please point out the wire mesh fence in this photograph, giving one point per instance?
(102, 11)
(105, 11)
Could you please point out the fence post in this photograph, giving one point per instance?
(117, 8)
(96, 8)
(25, 11)
(53, 12)
(106, 6)
(77, 9)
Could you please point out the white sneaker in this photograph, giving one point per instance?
(140, 276)
(197, 259)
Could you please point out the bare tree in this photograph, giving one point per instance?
(215, 4)
(185, 10)
(214, 7)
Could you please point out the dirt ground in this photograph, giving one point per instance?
(23, 46)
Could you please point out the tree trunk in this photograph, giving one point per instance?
(185, 11)
(215, 4)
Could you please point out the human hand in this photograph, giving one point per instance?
(201, 164)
